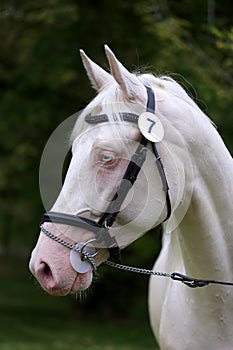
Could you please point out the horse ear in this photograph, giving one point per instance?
(127, 81)
(97, 75)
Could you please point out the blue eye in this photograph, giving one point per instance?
(105, 158)
(108, 159)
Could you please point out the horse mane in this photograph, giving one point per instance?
(109, 100)
(170, 85)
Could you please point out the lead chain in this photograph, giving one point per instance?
(188, 281)
(136, 269)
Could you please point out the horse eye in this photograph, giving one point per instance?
(107, 159)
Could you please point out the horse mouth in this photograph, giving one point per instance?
(81, 282)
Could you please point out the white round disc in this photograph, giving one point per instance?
(77, 264)
(151, 127)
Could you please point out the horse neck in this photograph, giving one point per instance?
(205, 233)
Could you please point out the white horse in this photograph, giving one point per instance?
(197, 237)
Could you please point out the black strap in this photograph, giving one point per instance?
(126, 183)
(72, 220)
(130, 176)
(102, 234)
(150, 107)
(194, 282)
(164, 180)
(113, 209)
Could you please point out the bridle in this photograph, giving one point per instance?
(102, 228)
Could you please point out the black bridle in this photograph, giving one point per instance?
(102, 227)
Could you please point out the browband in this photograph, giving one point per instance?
(101, 118)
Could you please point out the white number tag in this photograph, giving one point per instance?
(151, 127)
(76, 262)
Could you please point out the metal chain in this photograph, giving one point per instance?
(89, 257)
(175, 276)
(188, 281)
(107, 262)
(84, 254)
(137, 269)
(59, 240)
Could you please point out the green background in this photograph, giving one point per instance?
(42, 82)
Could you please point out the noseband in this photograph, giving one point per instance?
(102, 228)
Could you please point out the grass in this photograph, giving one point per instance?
(32, 320)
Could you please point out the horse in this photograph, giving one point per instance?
(182, 180)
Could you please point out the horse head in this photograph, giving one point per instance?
(101, 201)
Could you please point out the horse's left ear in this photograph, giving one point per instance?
(127, 81)
(97, 75)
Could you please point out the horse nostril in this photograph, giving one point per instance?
(45, 275)
(46, 269)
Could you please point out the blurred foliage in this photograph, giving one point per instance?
(43, 82)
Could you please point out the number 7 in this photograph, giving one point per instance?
(152, 124)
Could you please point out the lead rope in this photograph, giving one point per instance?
(175, 276)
